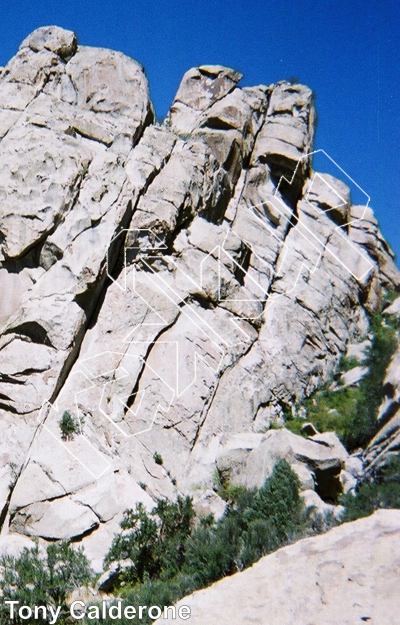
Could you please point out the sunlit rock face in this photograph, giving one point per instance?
(176, 287)
(348, 575)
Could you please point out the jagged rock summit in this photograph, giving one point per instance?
(175, 287)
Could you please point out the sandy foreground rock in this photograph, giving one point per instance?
(348, 576)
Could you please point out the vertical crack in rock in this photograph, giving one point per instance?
(145, 359)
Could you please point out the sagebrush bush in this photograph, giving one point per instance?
(35, 580)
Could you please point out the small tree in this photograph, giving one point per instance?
(279, 501)
(137, 546)
(68, 426)
(153, 543)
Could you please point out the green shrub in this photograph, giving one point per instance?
(69, 426)
(295, 424)
(152, 592)
(211, 553)
(260, 538)
(227, 491)
(348, 362)
(371, 497)
(38, 580)
(256, 523)
(138, 546)
(279, 501)
(158, 458)
(389, 296)
(176, 520)
(333, 410)
(383, 493)
(155, 542)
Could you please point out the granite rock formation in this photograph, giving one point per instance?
(176, 287)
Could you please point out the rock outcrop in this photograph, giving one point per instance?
(176, 287)
(348, 575)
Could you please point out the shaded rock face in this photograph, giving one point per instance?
(386, 444)
(175, 287)
(348, 575)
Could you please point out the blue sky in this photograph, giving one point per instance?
(347, 51)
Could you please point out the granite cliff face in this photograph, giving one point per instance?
(178, 287)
